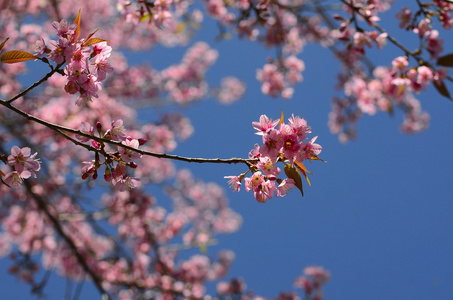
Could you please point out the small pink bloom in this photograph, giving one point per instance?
(64, 30)
(76, 73)
(13, 179)
(255, 152)
(400, 63)
(86, 128)
(21, 161)
(88, 169)
(84, 99)
(381, 40)
(405, 17)
(101, 49)
(102, 67)
(231, 90)
(40, 47)
(285, 186)
(423, 28)
(272, 144)
(72, 87)
(425, 76)
(234, 183)
(57, 48)
(267, 165)
(264, 125)
(290, 147)
(127, 154)
(299, 127)
(79, 55)
(253, 182)
(119, 171)
(117, 132)
(125, 183)
(435, 44)
(310, 148)
(361, 40)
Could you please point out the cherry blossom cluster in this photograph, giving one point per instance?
(185, 82)
(277, 77)
(150, 238)
(392, 86)
(24, 165)
(142, 224)
(86, 68)
(287, 144)
(115, 163)
(181, 83)
(137, 256)
(312, 281)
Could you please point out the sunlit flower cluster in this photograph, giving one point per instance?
(287, 144)
(86, 68)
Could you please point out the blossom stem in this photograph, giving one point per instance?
(47, 76)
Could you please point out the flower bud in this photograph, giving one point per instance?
(107, 175)
(99, 126)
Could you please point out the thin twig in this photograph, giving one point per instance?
(47, 76)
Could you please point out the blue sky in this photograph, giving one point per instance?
(378, 213)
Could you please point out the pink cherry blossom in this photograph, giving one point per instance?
(23, 161)
(117, 132)
(64, 30)
(264, 125)
(234, 183)
(126, 154)
(254, 182)
(405, 17)
(86, 128)
(267, 165)
(15, 178)
(285, 186)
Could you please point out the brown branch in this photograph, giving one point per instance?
(62, 129)
(47, 76)
(41, 202)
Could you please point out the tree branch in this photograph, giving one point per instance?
(47, 76)
(62, 129)
(42, 205)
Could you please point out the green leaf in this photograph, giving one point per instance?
(15, 56)
(442, 89)
(294, 174)
(446, 60)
